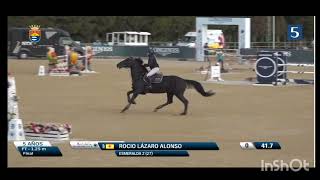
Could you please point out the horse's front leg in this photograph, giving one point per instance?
(130, 102)
(128, 97)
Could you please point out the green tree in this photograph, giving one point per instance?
(162, 28)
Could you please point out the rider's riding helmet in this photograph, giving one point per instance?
(150, 52)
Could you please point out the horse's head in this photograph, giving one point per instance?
(126, 63)
(129, 62)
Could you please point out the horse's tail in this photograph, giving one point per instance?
(196, 85)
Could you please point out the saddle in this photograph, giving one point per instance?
(156, 78)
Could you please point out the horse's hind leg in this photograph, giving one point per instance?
(128, 96)
(185, 102)
(130, 102)
(169, 101)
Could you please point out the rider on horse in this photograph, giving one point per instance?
(153, 65)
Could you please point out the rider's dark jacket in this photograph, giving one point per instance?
(152, 61)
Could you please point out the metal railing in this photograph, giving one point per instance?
(278, 45)
(284, 45)
(306, 45)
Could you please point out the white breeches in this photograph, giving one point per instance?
(153, 71)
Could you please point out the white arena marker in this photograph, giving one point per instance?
(215, 74)
(42, 71)
(247, 145)
(16, 132)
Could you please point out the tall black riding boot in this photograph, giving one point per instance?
(149, 85)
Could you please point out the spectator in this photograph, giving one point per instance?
(206, 52)
(52, 57)
(220, 59)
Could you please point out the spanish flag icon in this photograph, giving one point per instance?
(109, 146)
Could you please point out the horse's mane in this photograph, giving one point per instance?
(139, 60)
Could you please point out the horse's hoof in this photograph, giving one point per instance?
(155, 110)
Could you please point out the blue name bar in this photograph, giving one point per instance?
(39, 151)
(267, 145)
(151, 153)
(159, 146)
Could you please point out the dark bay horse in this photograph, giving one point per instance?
(172, 85)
